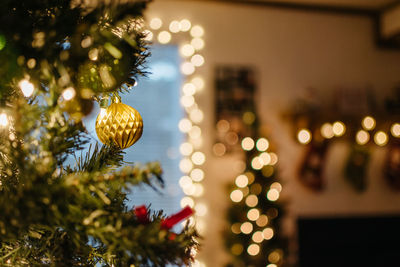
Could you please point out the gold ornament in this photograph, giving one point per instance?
(120, 123)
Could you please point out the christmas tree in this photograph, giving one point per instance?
(254, 237)
(57, 58)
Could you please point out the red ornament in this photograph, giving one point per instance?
(169, 222)
(142, 214)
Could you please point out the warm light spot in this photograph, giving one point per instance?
(197, 175)
(338, 128)
(185, 165)
(249, 117)
(69, 93)
(164, 37)
(395, 130)
(187, 68)
(219, 149)
(255, 188)
(245, 191)
(253, 214)
(262, 220)
(198, 82)
(86, 42)
(195, 132)
(187, 50)
(327, 131)
(249, 175)
(187, 101)
(231, 138)
(241, 181)
(31, 63)
(189, 190)
(174, 26)
(246, 228)
(223, 126)
(197, 43)
(265, 157)
(26, 87)
(196, 115)
(368, 123)
(274, 256)
(258, 237)
(273, 194)
(237, 249)
(198, 158)
(185, 181)
(185, 125)
(197, 31)
(155, 23)
(199, 190)
(185, 25)
(235, 228)
(274, 158)
(253, 249)
(262, 144)
(272, 265)
(201, 209)
(187, 201)
(257, 163)
(276, 186)
(381, 138)
(251, 201)
(189, 89)
(304, 136)
(236, 195)
(247, 143)
(197, 60)
(268, 233)
(93, 55)
(186, 149)
(3, 120)
(362, 137)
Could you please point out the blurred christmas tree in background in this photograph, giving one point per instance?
(57, 58)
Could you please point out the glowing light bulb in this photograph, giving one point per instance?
(338, 128)
(381, 138)
(266, 158)
(253, 214)
(185, 125)
(257, 163)
(197, 60)
(276, 186)
(241, 181)
(395, 130)
(253, 249)
(196, 115)
(327, 131)
(257, 237)
(262, 220)
(247, 143)
(268, 233)
(189, 89)
(197, 175)
(362, 137)
(304, 136)
(187, 50)
(155, 23)
(251, 200)
(187, 68)
(197, 43)
(262, 144)
(186, 149)
(273, 194)
(185, 25)
(185, 165)
(246, 228)
(368, 123)
(3, 120)
(197, 31)
(69, 93)
(164, 37)
(26, 87)
(236, 195)
(198, 158)
(174, 26)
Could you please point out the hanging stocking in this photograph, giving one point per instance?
(313, 164)
(356, 167)
(392, 165)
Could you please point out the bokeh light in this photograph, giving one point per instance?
(338, 128)
(368, 123)
(395, 130)
(241, 181)
(327, 131)
(247, 143)
(253, 249)
(362, 137)
(262, 144)
(246, 228)
(381, 138)
(236, 195)
(304, 136)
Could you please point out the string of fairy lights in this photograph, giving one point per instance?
(363, 136)
(190, 44)
(247, 189)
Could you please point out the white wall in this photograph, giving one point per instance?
(292, 50)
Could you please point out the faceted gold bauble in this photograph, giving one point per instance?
(120, 123)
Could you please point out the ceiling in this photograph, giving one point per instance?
(373, 5)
